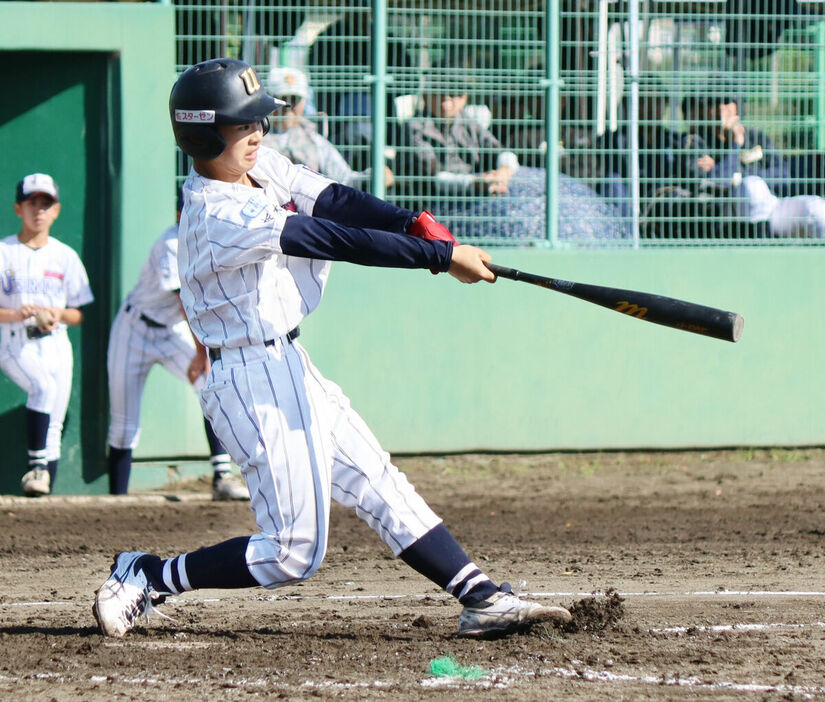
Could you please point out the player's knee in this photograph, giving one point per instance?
(42, 395)
(274, 562)
(122, 433)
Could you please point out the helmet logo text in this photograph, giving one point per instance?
(250, 81)
(195, 116)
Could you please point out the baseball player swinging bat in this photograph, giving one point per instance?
(679, 314)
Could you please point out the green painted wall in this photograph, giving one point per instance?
(95, 116)
(433, 365)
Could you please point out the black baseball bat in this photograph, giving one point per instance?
(667, 311)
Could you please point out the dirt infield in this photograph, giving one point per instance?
(716, 556)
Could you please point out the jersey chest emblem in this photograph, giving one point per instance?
(253, 207)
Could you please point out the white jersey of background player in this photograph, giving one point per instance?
(43, 285)
(150, 328)
(257, 235)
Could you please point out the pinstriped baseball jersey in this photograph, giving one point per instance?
(155, 293)
(51, 276)
(238, 287)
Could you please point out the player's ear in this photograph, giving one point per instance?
(56, 210)
(18, 210)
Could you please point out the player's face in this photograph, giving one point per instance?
(240, 154)
(37, 212)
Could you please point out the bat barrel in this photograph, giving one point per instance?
(667, 311)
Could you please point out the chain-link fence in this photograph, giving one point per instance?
(580, 123)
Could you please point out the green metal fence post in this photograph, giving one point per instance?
(378, 78)
(552, 114)
(820, 85)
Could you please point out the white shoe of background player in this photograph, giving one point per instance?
(228, 486)
(36, 482)
(503, 613)
(126, 595)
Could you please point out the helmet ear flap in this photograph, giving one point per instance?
(200, 141)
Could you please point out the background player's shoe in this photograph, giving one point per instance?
(503, 613)
(126, 595)
(228, 486)
(36, 483)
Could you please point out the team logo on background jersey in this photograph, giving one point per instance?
(7, 281)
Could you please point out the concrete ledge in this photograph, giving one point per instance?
(114, 500)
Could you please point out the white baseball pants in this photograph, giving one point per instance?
(42, 368)
(134, 347)
(299, 444)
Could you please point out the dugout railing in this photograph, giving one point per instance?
(607, 105)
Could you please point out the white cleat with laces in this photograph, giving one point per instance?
(126, 596)
(503, 613)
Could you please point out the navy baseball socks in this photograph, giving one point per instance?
(440, 558)
(120, 466)
(140, 580)
(38, 479)
(489, 611)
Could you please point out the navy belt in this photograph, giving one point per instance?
(36, 333)
(215, 354)
(147, 320)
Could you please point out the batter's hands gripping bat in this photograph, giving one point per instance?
(679, 314)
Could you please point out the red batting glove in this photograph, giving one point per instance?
(425, 227)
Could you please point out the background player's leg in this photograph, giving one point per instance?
(28, 372)
(177, 350)
(37, 429)
(58, 349)
(129, 359)
(225, 484)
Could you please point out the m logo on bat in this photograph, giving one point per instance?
(630, 308)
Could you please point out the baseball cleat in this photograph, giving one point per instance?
(228, 486)
(503, 613)
(36, 482)
(126, 595)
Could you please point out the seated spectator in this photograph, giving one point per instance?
(745, 167)
(298, 138)
(729, 147)
(456, 165)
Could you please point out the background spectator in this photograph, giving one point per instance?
(298, 138)
(477, 186)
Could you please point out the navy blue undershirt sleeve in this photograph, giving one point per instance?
(355, 208)
(313, 237)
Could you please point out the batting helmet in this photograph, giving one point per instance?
(215, 92)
